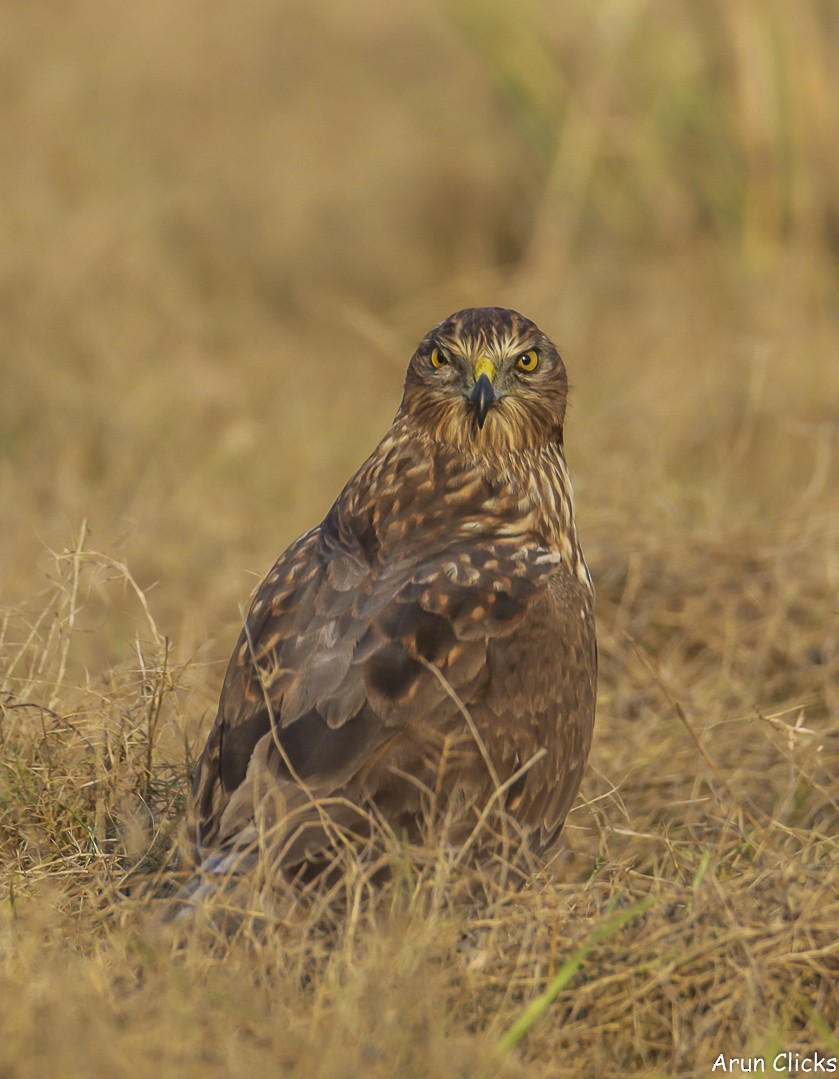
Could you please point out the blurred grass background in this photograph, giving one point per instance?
(224, 230)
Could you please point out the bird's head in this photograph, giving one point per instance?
(487, 380)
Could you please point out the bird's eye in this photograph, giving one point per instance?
(438, 358)
(528, 361)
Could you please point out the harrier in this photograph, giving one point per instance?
(429, 647)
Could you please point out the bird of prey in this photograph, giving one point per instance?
(429, 647)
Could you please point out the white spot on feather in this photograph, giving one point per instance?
(549, 558)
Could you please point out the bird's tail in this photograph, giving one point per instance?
(213, 886)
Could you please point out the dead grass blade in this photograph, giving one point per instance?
(521, 1027)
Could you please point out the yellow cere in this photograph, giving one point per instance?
(485, 366)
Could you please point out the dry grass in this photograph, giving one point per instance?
(223, 234)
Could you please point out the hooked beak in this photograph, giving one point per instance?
(483, 393)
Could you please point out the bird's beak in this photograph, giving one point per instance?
(483, 392)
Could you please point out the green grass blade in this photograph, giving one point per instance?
(518, 1030)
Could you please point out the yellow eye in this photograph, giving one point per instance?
(438, 359)
(528, 361)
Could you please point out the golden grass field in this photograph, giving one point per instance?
(224, 230)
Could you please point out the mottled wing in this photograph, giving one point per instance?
(334, 664)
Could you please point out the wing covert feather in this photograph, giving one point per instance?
(334, 657)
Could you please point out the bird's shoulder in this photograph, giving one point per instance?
(327, 628)
(332, 644)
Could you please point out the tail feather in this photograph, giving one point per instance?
(216, 878)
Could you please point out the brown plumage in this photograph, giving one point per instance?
(446, 577)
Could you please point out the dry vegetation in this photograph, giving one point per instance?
(224, 229)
